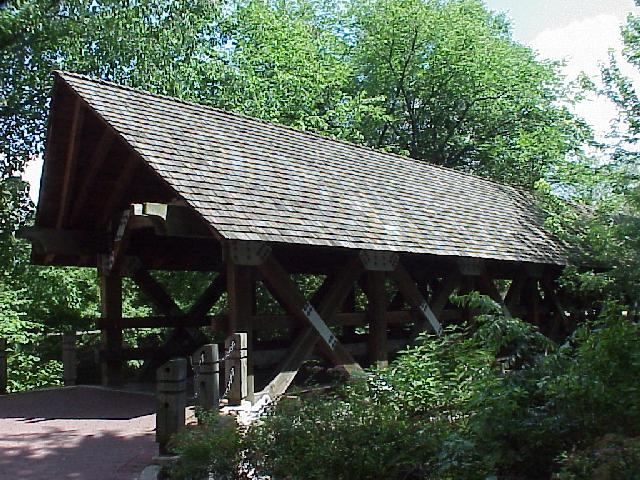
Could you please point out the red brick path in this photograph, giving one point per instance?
(76, 433)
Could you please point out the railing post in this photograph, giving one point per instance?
(3, 366)
(171, 401)
(207, 380)
(69, 358)
(237, 363)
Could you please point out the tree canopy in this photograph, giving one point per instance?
(442, 81)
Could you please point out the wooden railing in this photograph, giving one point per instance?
(205, 361)
(69, 358)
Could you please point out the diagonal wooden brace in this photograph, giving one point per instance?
(488, 287)
(332, 293)
(288, 294)
(210, 296)
(414, 297)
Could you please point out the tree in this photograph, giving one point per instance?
(459, 91)
(608, 230)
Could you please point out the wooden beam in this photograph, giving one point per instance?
(377, 338)
(488, 287)
(163, 321)
(210, 296)
(286, 292)
(531, 299)
(414, 297)
(241, 307)
(94, 166)
(70, 159)
(260, 322)
(550, 294)
(265, 358)
(121, 186)
(333, 296)
(155, 292)
(49, 241)
(512, 298)
(439, 301)
(111, 305)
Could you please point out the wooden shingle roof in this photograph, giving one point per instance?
(253, 180)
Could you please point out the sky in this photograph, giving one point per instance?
(580, 32)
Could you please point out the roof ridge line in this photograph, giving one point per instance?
(310, 133)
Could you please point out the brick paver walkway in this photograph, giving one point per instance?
(76, 433)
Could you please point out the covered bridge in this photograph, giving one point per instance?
(135, 182)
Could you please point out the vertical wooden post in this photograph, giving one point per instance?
(237, 363)
(349, 305)
(376, 313)
(69, 358)
(171, 401)
(3, 366)
(241, 298)
(207, 382)
(532, 301)
(111, 303)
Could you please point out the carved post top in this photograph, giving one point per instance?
(206, 358)
(172, 376)
(206, 354)
(239, 342)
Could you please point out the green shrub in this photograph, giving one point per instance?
(346, 435)
(212, 448)
(498, 400)
(612, 457)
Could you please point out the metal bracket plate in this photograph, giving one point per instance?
(248, 253)
(379, 261)
(431, 317)
(319, 325)
(471, 266)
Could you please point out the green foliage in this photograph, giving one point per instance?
(611, 457)
(458, 91)
(498, 401)
(345, 436)
(212, 448)
(25, 366)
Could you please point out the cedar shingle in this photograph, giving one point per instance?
(260, 181)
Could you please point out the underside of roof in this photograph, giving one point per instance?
(247, 179)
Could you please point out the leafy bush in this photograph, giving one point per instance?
(496, 400)
(211, 449)
(612, 457)
(347, 435)
(26, 367)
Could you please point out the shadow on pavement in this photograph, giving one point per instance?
(82, 402)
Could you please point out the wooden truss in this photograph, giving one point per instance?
(400, 298)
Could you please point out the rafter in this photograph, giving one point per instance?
(121, 185)
(77, 122)
(94, 166)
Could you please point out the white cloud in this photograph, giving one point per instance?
(584, 45)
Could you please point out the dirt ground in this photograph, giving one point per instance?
(76, 433)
